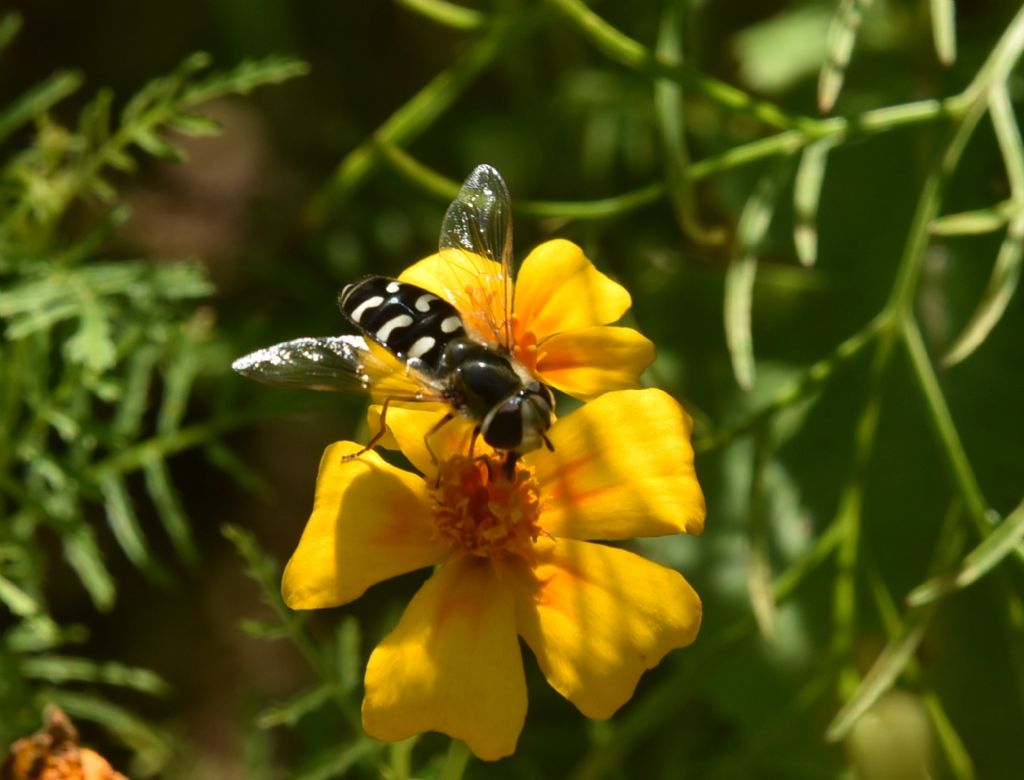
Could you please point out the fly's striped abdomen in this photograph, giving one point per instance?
(408, 321)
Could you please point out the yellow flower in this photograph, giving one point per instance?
(563, 305)
(517, 557)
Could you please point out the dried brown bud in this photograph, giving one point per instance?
(53, 753)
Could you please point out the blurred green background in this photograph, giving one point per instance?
(280, 212)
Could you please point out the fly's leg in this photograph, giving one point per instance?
(376, 437)
(430, 450)
(510, 465)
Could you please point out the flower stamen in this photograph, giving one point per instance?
(481, 509)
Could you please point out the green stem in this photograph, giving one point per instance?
(636, 56)
(135, 457)
(458, 17)
(848, 517)
(809, 383)
(414, 117)
(456, 761)
(446, 189)
(945, 428)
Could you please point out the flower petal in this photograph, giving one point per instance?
(597, 617)
(409, 427)
(587, 362)
(559, 289)
(622, 467)
(452, 664)
(441, 276)
(371, 521)
(468, 282)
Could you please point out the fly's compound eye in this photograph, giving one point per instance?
(502, 428)
(535, 418)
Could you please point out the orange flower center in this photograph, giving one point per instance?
(482, 510)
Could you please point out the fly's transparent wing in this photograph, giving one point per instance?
(347, 364)
(476, 242)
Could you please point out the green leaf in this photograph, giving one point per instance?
(739, 277)
(998, 293)
(841, 37)
(978, 222)
(10, 26)
(760, 586)
(135, 388)
(178, 378)
(92, 345)
(264, 629)
(1003, 541)
(810, 175)
(944, 29)
(57, 669)
(670, 112)
(883, 673)
(17, 600)
(458, 17)
(291, 712)
(172, 515)
(245, 77)
(195, 125)
(225, 459)
(1006, 273)
(337, 762)
(94, 120)
(38, 100)
(85, 558)
(797, 30)
(125, 526)
(151, 142)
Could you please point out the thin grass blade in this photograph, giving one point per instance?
(979, 221)
(458, 17)
(810, 175)
(83, 554)
(1003, 541)
(165, 498)
(739, 277)
(944, 29)
(842, 36)
(295, 709)
(759, 568)
(17, 600)
(38, 100)
(1000, 290)
(670, 113)
(1006, 272)
(125, 526)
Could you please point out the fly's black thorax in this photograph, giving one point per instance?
(413, 324)
(513, 414)
(481, 378)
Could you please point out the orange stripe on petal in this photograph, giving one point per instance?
(622, 467)
(559, 289)
(587, 362)
(370, 522)
(597, 617)
(452, 664)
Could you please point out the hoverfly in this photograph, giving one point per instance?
(414, 346)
